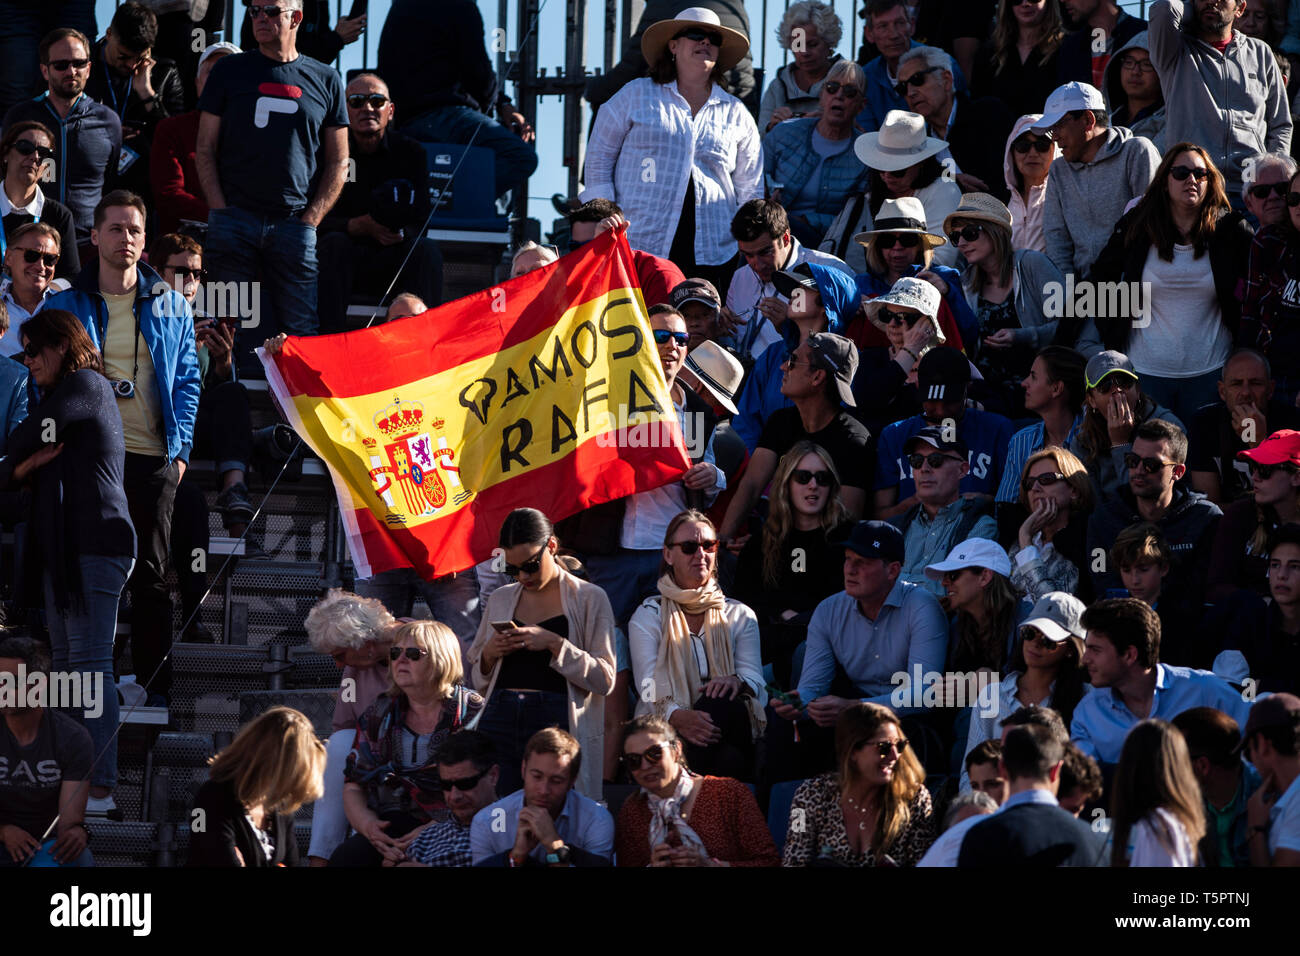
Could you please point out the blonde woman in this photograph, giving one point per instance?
(873, 811)
(1157, 817)
(391, 786)
(695, 655)
(1051, 544)
(274, 766)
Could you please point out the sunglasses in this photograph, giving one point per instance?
(950, 577)
(690, 547)
(916, 79)
(30, 350)
(908, 240)
(357, 100)
(1032, 635)
(1045, 480)
(1113, 384)
(62, 65)
(33, 255)
(464, 783)
(664, 336)
(652, 755)
(25, 147)
(412, 653)
(1182, 172)
(1293, 199)
(934, 460)
(832, 87)
(803, 476)
(1265, 472)
(186, 273)
(531, 566)
(1149, 466)
(1025, 144)
(255, 11)
(698, 35)
(969, 233)
(1261, 191)
(890, 317)
(885, 747)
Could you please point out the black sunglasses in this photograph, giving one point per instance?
(969, 233)
(254, 10)
(1149, 466)
(908, 240)
(916, 79)
(357, 100)
(652, 755)
(531, 566)
(1114, 383)
(697, 35)
(690, 547)
(934, 460)
(1043, 481)
(26, 147)
(1293, 199)
(30, 350)
(664, 336)
(1263, 189)
(187, 273)
(1182, 172)
(889, 316)
(62, 65)
(32, 255)
(412, 653)
(1032, 635)
(1025, 144)
(803, 476)
(832, 87)
(464, 783)
(885, 747)
(950, 577)
(1265, 472)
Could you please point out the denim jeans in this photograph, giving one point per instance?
(452, 598)
(511, 717)
(81, 639)
(280, 253)
(516, 159)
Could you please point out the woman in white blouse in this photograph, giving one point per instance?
(1157, 817)
(678, 152)
(695, 655)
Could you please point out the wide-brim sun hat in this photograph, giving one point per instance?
(654, 42)
(980, 207)
(906, 214)
(900, 142)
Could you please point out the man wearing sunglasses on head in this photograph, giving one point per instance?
(468, 774)
(366, 237)
(1188, 519)
(87, 135)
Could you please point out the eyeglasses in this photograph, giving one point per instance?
(664, 336)
(969, 233)
(272, 13)
(1182, 172)
(890, 317)
(934, 460)
(950, 577)
(186, 273)
(412, 653)
(1265, 472)
(652, 756)
(885, 747)
(1045, 480)
(531, 566)
(62, 65)
(1149, 466)
(1032, 635)
(357, 100)
(908, 240)
(916, 79)
(698, 35)
(1114, 383)
(26, 147)
(1025, 144)
(1133, 63)
(464, 783)
(1263, 189)
(47, 258)
(690, 547)
(803, 476)
(832, 87)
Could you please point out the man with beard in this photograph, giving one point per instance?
(1079, 59)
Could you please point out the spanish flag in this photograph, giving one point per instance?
(545, 391)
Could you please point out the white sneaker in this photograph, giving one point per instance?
(99, 806)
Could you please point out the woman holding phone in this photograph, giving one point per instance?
(544, 653)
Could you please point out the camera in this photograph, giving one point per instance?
(124, 388)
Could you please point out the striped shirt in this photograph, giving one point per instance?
(1023, 444)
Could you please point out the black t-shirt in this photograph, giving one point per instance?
(1212, 445)
(30, 777)
(845, 439)
(272, 117)
(532, 670)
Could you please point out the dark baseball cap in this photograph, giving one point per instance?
(1275, 710)
(934, 435)
(875, 539)
(695, 290)
(839, 356)
(788, 280)
(942, 374)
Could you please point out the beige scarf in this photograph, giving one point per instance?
(677, 675)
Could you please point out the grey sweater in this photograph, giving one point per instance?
(1031, 276)
(1233, 103)
(1085, 200)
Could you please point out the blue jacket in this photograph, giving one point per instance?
(790, 161)
(13, 398)
(761, 395)
(167, 328)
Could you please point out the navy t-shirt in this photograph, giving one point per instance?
(272, 116)
(986, 435)
(30, 777)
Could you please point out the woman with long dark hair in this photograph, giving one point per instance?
(544, 652)
(988, 609)
(1018, 63)
(81, 544)
(1156, 809)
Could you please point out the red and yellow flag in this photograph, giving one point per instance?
(544, 392)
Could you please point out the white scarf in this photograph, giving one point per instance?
(666, 814)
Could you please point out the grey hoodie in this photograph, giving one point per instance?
(1152, 125)
(1233, 103)
(1085, 200)
(1032, 275)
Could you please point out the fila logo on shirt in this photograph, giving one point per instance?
(275, 98)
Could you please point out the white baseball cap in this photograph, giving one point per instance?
(972, 553)
(1066, 99)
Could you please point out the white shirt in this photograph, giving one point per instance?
(756, 333)
(947, 848)
(1169, 846)
(33, 208)
(646, 148)
(1183, 334)
(11, 343)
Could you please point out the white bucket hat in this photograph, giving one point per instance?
(900, 142)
